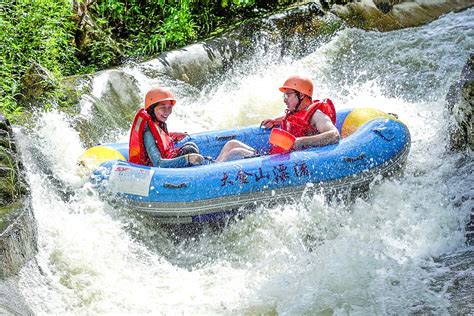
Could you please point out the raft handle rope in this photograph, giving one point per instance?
(227, 137)
(175, 186)
(385, 133)
(353, 159)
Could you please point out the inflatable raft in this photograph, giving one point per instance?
(373, 143)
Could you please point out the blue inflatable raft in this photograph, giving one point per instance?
(373, 143)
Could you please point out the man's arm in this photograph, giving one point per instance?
(328, 133)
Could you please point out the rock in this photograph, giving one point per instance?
(18, 236)
(385, 6)
(389, 15)
(460, 101)
(18, 232)
(12, 185)
(11, 300)
(470, 230)
(195, 63)
(110, 99)
(36, 83)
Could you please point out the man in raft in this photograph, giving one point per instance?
(310, 121)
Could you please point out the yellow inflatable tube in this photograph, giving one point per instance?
(360, 116)
(94, 156)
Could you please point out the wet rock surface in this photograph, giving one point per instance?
(460, 100)
(456, 279)
(37, 82)
(12, 186)
(18, 235)
(389, 15)
(11, 300)
(99, 114)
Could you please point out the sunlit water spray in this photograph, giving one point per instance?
(373, 255)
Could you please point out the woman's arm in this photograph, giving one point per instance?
(155, 156)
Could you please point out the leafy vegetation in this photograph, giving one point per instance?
(33, 31)
(53, 35)
(146, 28)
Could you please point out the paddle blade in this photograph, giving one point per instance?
(282, 139)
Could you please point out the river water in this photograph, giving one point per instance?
(399, 250)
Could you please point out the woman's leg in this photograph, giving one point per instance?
(234, 150)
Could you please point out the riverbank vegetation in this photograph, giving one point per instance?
(88, 35)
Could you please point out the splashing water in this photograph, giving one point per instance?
(377, 255)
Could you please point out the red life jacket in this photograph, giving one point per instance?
(299, 123)
(137, 152)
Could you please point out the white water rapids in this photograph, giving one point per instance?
(376, 255)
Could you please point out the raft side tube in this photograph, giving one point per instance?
(377, 145)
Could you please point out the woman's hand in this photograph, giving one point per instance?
(176, 136)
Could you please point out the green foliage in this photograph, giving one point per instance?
(101, 52)
(146, 28)
(225, 3)
(177, 29)
(331, 27)
(10, 187)
(38, 30)
(48, 32)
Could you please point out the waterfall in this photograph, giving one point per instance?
(398, 250)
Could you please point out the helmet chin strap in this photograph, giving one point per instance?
(300, 99)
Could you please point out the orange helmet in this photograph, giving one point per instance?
(156, 95)
(301, 84)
